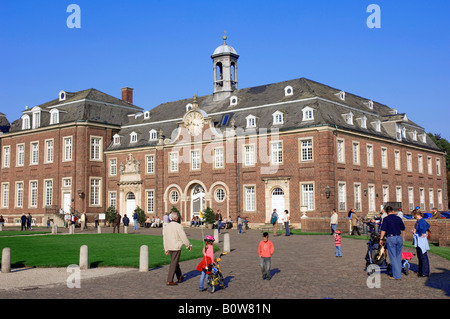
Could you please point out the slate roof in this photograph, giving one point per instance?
(262, 101)
(88, 105)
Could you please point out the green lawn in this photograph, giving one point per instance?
(105, 250)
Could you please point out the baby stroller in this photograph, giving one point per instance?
(406, 256)
(376, 254)
(215, 279)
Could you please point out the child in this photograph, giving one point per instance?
(208, 258)
(265, 252)
(338, 240)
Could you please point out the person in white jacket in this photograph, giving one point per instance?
(333, 221)
(174, 238)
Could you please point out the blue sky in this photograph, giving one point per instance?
(162, 49)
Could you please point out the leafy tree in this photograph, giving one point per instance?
(110, 214)
(209, 215)
(140, 215)
(444, 145)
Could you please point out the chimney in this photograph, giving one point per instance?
(127, 95)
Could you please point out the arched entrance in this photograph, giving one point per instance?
(278, 201)
(198, 202)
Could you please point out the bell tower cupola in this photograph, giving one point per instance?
(225, 70)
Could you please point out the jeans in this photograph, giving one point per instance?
(135, 224)
(338, 251)
(264, 263)
(394, 246)
(424, 264)
(203, 276)
(333, 228)
(240, 228)
(219, 226)
(286, 226)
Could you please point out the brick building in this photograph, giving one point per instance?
(297, 145)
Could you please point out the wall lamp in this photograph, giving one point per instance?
(80, 193)
(327, 191)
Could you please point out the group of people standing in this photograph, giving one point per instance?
(25, 222)
(285, 219)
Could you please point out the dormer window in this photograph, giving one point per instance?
(188, 107)
(146, 115)
(251, 121)
(349, 118)
(278, 118)
(370, 104)
(153, 135)
(364, 122)
(116, 139)
(54, 116)
(288, 91)
(404, 132)
(308, 114)
(36, 121)
(62, 96)
(133, 137)
(342, 95)
(378, 126)
(424, 138)
(233, 100)
(414, 135)
(25, 122)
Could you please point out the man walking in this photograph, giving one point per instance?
(392, 228)
(116, 223)
(135, 219)
(174, 238)
(333, 221)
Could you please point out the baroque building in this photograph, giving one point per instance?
(298, 145)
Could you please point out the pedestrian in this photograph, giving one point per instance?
(435, 214)
(338, 242)
(239, 222)
(207, 260)
(135, 219)
(392, 228)
(333, 221)
(421, 243)
(66, 220)
(287, 218)
(48, 222)
(174, 238)
(96, 220)
(116, 222)
(2, 220)
(83, 221)
(350, 213)
(274, 221)
(218, 218)
(125, 220)
(265, 252)
(355, 220)
(29, 219)
(23, 222)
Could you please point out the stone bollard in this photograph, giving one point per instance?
(1, 227)
(226, 242)
(125, 229)
(54, 229)
(84, 257)
(143, 259)
(99, 229)
(6, 260)
(216, 236)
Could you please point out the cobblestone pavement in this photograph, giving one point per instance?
(303, 267)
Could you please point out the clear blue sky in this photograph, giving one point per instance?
(162, 49)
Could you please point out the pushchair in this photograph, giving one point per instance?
(215, 279)
(376, 254)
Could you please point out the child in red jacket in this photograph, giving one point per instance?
(208, 258)
(265, 252)
(337, 241)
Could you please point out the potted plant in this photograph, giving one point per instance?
(208, 215)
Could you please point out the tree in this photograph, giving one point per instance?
(444, 145)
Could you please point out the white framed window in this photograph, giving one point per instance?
(33, 194)
(357, 196)
(54, 116)
(49, 151)
(116, 139)
(48, 192)
(174, 197)
(378, 126)
(6, 156)
(25, 122)
(67, 148)
(308, 114)
(133, 137)
(5, 195)
(218, 158)
(371, 197)
(414, 135)
(342, 95)
(340, 151)
(233, 100)
(277, 152)
(430, 165)
(370, 104)
(342, 196)
(195, 160)
(384, 162)
(150, 197)
(277, 118)
(431, 198)
(397, 160)
(150, 164)
(19, 194)
(349, 118)
(95, 184)
(34, 159)
(96, 148)
(398, 194)
(220, 195)
(251, 121)
(369, 150)
(146, 115)
(173, 165)
(440, 200)
(306, 150)
(355, 152)
(409, 162)
(249, 155)
(67, 182)
(288, 91)
(422, 197)
(411, 198)
(364, 121)
(308, 196)
(250, 198)
(20, 154)
(153, 135)
(36, 119)
(385, 194)
(438, 166)
(420, 163)
(113, 166)
(112, 199)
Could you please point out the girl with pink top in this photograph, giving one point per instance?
(208, 258)
(338, 240)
